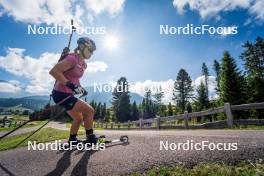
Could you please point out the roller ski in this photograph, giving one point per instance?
(102, 143)
(93, 143)
(122, 139)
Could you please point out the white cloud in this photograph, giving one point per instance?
(35, 70)
(113, 7)
(212, 8)
(247, 22)
(1, 13)
(166, 86)
(38, 11)
(10, 86)
(257, 10)
(96, 66)
(209, 8)
(58, 11)
(25, 66)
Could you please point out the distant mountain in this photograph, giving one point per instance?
(26, 102)
(106, 97)
(37, 97)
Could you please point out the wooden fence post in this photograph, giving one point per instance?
(140, 123)
(112, 125)
(158, 122)
(186, 119)
(229, 115)
(128, 124)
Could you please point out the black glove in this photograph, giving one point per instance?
(76, 88)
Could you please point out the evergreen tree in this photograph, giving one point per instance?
(253, 56)
(217, 72)
(140, 109)
(158, 100)
(205, 73)
(170, 110)
(93, 104)
(163, 110)
(98, 112)
(108, 116)
(201, 99)
(183, 89)
(103, 111)
(121, 101)
(189, 107)
(149, 108)
(135, 112)
(231, 81)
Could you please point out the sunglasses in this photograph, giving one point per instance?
(89, 49)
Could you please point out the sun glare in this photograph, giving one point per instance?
(111, 42)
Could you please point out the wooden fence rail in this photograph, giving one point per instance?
(156, 123)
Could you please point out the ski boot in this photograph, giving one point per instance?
(93, 139)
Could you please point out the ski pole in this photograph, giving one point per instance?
(40, 128)
(6, 134)
(73, 29)
(84, 94)
(66, 50)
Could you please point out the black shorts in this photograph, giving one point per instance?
(68, 103)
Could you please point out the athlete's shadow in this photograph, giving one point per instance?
(8, 172)
(81, 167)
(65, 161)
(62, 164)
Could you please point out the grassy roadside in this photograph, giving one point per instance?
(248, 127)
(44, 135)
(209, 169)
(30, 124)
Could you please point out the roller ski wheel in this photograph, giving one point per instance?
(124, 139)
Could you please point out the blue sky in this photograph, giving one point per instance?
(141, 53)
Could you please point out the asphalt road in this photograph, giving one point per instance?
(143, 152)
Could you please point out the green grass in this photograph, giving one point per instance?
(30, 124)
(209, 169)
(241, 127)
(19, 117)
(44, 135)
(249, 127)
(14, 108)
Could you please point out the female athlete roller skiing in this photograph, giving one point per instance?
(67, 74)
